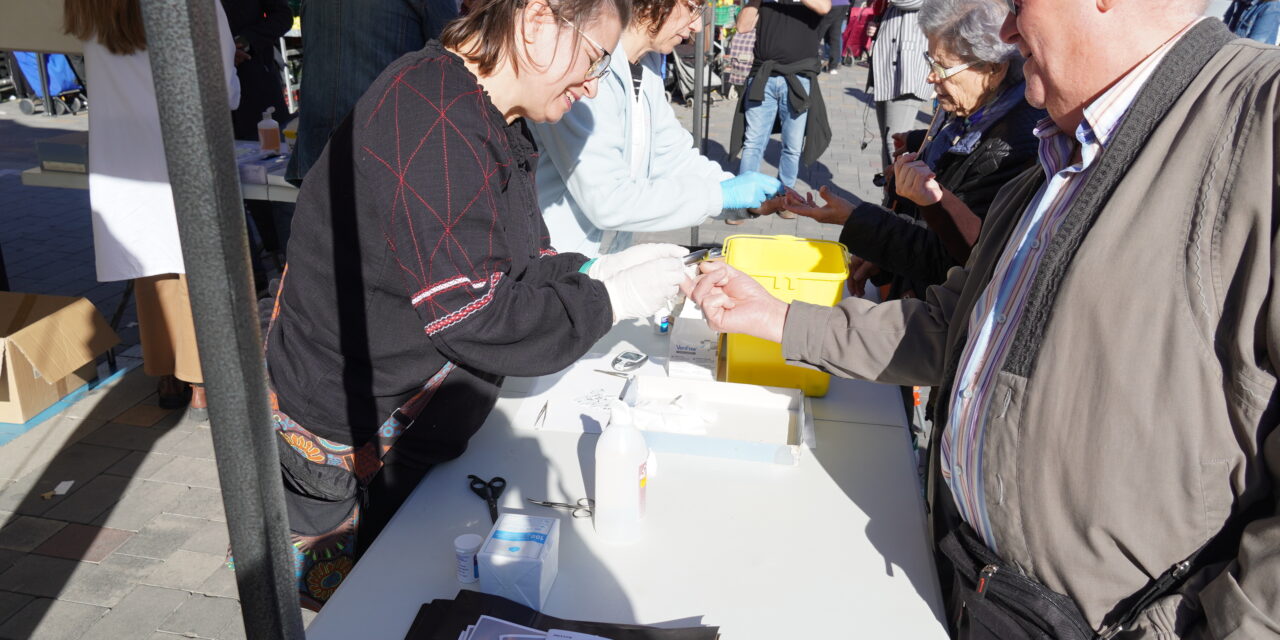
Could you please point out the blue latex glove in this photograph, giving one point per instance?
(748, 190)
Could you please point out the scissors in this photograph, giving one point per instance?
(581, 509)
(489, 491)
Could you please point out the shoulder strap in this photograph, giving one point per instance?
(1175, 73)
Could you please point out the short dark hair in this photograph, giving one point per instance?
(490, 26)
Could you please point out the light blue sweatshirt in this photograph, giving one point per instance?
(586, 182)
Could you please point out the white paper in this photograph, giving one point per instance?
(489, 628)
(63, 487)
(561, 634)
(576, 399)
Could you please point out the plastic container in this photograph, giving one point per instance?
(268, 132)
(791, 269)
(622, 458)
(465, 548)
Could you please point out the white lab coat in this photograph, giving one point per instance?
(135, 230)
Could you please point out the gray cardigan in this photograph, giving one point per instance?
(1137, 409)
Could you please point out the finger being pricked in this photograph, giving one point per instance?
(706, 285)
(716, 269)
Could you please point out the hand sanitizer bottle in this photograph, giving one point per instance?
(269, 132)
(621, 477)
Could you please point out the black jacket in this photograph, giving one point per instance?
(259, 24)
(817, 130)
(901, 243)
(418, 240)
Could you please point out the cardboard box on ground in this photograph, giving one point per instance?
(47, 349)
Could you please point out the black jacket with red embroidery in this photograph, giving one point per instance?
(417, 239)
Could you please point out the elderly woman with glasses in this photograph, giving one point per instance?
(420, 275)
(621, 161)
(944, 179)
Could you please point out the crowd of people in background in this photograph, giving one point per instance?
(1073, 244)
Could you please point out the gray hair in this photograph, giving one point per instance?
(970, 29)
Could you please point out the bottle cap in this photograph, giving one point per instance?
(467, 542)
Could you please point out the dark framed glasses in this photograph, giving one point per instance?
(600, 66)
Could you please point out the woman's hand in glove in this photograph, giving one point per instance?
(641, 290)
(608, 265)
(748, 190)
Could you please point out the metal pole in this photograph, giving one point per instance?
(186, 62)
(42, 62)
(699, 88)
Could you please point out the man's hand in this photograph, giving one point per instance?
(733, 302)
(859, 272)
(915, 181)
(872, 27)
(836, 210)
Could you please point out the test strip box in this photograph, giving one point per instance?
(520, 558)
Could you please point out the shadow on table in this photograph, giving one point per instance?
(896, 530)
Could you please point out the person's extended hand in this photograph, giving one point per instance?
(872, 28)
(915, 181)
(242, 56)
(748, 190)
(836, 210)
(606, 266)
(733, 302)
(859, 272)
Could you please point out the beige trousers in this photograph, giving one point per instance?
(166, 328)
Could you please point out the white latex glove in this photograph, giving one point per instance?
(641, 290)
(608, 265)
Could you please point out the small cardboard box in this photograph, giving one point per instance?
(47, 348)
(520, 558)
(693, 347)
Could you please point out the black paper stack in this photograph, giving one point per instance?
(446, 619)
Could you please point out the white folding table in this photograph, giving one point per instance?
(834, 547)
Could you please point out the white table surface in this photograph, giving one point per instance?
(834, 547)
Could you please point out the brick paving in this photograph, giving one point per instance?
(136, 548)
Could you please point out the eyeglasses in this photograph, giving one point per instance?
(945, 72)
(1014, 6)
(695, 8)
(600, 66)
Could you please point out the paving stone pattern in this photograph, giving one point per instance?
(136, 548)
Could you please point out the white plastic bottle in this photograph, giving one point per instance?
(621, 477)
(269, 132)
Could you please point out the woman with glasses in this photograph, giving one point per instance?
(621, 161)
(420, 275)
(940, 194)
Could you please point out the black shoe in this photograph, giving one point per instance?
(172, 393)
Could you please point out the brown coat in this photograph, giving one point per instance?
(1126, 430)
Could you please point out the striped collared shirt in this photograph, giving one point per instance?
(996, 315)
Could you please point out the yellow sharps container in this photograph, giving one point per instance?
(792, 269)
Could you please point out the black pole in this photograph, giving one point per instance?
(186, 62)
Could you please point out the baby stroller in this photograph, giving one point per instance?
(65, 89)
(680, 73)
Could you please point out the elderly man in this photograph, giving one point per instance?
(1108, 459)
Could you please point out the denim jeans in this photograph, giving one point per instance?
(1259, 22)
(760, 117)
(350, 42)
